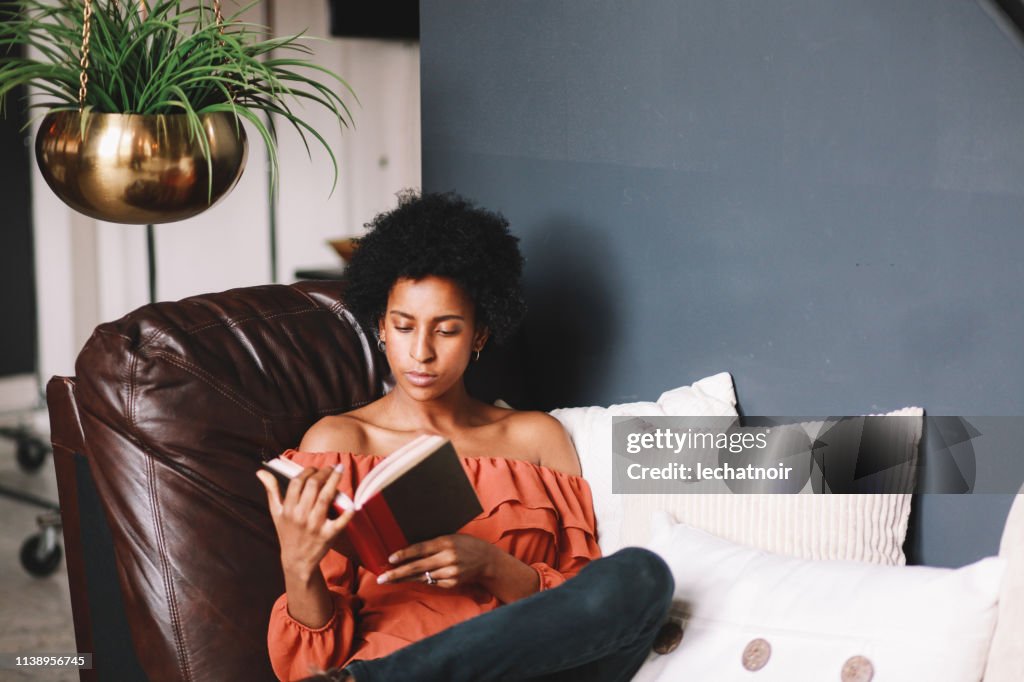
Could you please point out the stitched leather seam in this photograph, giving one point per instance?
(165, 570)
(372, 381)
(311, 307)
(218, 495)
(233, 396)
(130, 389)
(108, 332)
(234, 322)
(210, 380)
(147, 338)
(59, 444)
(172, 600)
(229, 323)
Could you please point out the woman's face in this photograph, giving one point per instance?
(429, 331)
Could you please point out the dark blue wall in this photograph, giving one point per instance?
(825, 199)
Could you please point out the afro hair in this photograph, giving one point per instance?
(441, 235)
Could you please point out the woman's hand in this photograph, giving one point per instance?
(453, 561)
(303, 529)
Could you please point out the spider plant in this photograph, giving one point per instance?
(167, 57)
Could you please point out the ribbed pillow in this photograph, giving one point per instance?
(591, 431)
(862, 527)
(859, 527)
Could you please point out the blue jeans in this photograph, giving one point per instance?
(596, 627)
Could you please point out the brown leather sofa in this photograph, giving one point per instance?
(172, 558)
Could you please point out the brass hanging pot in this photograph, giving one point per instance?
(138, 169)
(127, 168)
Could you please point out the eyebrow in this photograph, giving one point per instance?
(439, 318)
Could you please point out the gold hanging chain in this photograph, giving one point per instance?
(83, 77)
(83, 62)
(218, 16)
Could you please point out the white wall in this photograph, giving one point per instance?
(377, 159)
(88, 272)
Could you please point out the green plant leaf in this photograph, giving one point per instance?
(173, 59)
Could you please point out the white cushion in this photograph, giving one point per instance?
(868, 528)
(909, 623)
(591, 431)
(1006, 657)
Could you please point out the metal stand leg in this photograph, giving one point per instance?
(31, 450)
(41, 553)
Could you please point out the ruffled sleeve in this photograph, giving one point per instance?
(297, 651)
(543, 517)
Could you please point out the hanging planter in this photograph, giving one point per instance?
(148, 99)
(127, 168)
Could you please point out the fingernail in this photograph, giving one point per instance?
(382, 578)
(393, 559)
(339, 468)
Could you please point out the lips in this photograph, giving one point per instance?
(420, 379)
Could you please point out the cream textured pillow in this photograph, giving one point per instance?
(791, 620)
(861, 527)
(591, 431)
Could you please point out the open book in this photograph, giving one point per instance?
(416, 493)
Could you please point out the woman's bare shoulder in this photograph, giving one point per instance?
(336, 433)
(363, 431)
(544, 438)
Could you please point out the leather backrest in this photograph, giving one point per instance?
(179, 402)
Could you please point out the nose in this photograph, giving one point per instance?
(422, 349)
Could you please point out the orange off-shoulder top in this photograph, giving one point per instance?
(543, 517)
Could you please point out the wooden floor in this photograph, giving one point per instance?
(35, 613)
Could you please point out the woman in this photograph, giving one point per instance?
(439, 278)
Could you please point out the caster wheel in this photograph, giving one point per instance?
(31, 454)
(39, 566)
